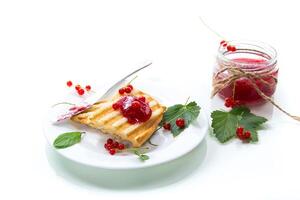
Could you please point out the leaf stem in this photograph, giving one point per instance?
(186, 102)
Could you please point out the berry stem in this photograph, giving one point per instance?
(61, 103)
(132, 80)
(209, 28)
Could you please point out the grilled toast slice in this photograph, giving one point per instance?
(102, 116)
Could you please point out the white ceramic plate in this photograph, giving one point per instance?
(90, 150)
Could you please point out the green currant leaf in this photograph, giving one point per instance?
(188, 112)
(224, 123)
(67, 139)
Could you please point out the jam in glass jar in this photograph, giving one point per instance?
(255, 58)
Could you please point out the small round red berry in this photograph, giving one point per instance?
(109, 141)
(224, 45)
(167, 126)
(115, 144)
(143, 99)
(77, 87)
(128, 89)
(121, 146)
(112, 151)
(136, 104)
(180, 122)
(69, 83)
(240, 133)
(130, 86)
(239, 130)
(80, 92)
(222, 42)
(107, 146)
(116, 106)
(247, 134)
(229, 48)
(233, 48)
(229, 102)
(121, 91)
(88, 88)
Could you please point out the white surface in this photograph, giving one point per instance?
(90, 150)
(44, 43)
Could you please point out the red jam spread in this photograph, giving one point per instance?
(135, 109)
(244, 90)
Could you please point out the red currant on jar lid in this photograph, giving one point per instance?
(69, 83)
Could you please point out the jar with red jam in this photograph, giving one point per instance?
(255, 58)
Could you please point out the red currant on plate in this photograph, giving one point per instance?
(167, 126)
(180, 123)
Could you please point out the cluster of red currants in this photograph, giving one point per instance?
(180, 122)
(126, 89)
(113, 146)
(80, 91)
(225, 44)
(243, 135)
(230, 102)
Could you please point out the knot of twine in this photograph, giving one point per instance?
(236, 73)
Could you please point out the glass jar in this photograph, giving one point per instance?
(251, 57)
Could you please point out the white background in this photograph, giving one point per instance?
(45, 43)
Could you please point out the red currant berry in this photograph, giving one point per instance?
(180, 122)
(121, 146)
(247, 134)
(121, 91)
(130, 86)
(224, 45)
(112, 152)
(233, 48)
(77, 87)
(115, 144)
(167, 126)
(88, 88)
(239, 130)
(69, 83)
(80, 92)
(107, 146)
(116, 106)
(240, 133)
(222, 42)
(229, 48)
(136, 104)
(109, 141)
(143, 99)
(229, 102)
(128, 89)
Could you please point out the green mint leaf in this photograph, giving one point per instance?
(224, 124)
(67, 139)
(188, 112)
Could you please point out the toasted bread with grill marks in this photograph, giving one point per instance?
(102, 116)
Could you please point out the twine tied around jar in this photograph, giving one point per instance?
(236, 73)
